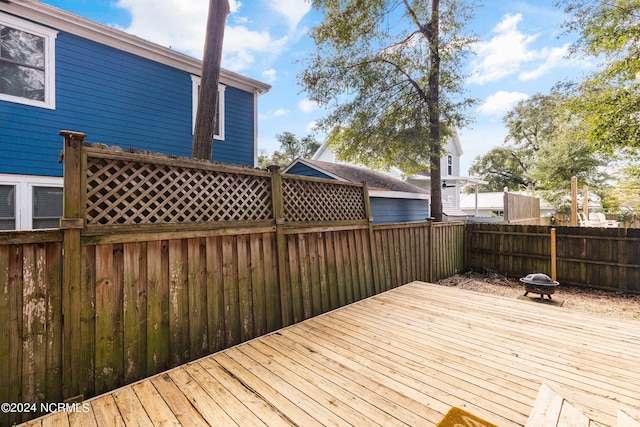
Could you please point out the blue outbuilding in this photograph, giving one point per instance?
(392, 200)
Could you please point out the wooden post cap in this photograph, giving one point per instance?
(73, 134)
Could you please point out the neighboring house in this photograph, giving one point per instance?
(452, 182)
(61, 71)
(391, 200)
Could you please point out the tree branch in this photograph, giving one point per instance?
(423, 29)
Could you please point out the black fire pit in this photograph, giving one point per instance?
(539, 283)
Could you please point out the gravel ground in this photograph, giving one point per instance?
(604, 303)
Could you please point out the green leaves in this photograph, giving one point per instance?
(608, 98)
(502, 167)
(546, 145)
(371, 72)
(291, 148)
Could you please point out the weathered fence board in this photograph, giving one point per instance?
(157, 327)
(31, 314)
(448, 258)
(135, 312)
(54, 344)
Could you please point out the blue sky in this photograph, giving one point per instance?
(521, 51)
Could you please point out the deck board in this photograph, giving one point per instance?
(404, 357)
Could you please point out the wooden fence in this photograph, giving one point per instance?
(167, 260)
(604, 258)
(518, 207)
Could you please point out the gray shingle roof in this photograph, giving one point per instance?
(375, 180)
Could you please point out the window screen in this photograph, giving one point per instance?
(7, 207)
(47, 207)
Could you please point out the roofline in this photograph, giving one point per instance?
(373, 191)
(321, 150)
(312, 166)
(456, 141)
(75, 24)
(391, 194)
(325, 146)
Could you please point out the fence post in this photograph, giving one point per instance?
(574, 201)
(623, 259)
(71, 223)
(554, 271)
(506, 211)
(277, 200)
(372, 241)
(431, 251)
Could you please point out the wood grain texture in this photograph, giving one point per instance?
(405, 357)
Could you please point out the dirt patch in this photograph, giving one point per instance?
(605, 303)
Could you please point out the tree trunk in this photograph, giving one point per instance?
(206, 117)
(433, 106)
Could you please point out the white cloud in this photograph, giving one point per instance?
(241, 46)
(269, 75)
(554, 57)
(510, 52)
(163, 22)
(241, 20)
(307, 106)
(234, 5)
(280, 112)
(501, 102)
(503, 54)
(292, 10)
(311, 126)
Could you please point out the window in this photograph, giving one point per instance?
(27, 69)
(219, 132)
(449, 165)
(28, 202)
(47, 207)
(7, 207)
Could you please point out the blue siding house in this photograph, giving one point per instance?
(391, 200)
(61, 71)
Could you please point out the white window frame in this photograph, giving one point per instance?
(195, 85)
(49, 36)
(15, 203)
(24, 195)
(450, 165)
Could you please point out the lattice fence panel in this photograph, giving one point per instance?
(318, 201)
(136, 192)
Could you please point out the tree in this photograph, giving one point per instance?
(556, 162)
(608, 98)
(390, 71)
(502, 167)
(624, 195)
(533, 121)
(291, 148)
(547, 149)
(206, 116)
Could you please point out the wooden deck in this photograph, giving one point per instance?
(404, 357)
